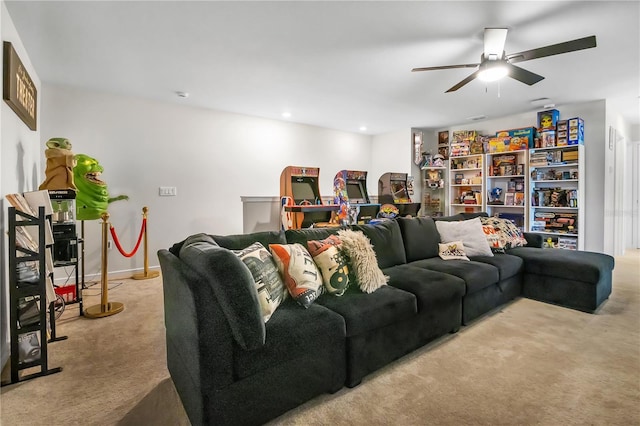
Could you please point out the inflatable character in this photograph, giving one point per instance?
(60, 162)
(92, 198)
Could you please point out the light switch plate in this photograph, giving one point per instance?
(168, 191)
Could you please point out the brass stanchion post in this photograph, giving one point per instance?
(105, 308)
(146, 274)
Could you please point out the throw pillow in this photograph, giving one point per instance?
(332, 262)
(452, 251)
(271, 291)
(509, 234)
(300, 273)
(494, 237)
(469, 232)
(364, 264)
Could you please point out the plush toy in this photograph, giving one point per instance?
(60, 163)
(92, 198)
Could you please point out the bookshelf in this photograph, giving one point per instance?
(556, 207)
(507, 193)
(466, 184)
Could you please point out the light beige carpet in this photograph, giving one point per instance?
(528, 363)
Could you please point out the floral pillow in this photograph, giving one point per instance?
(269, 285)
(502, 234)
(300, 273)
(332, 262)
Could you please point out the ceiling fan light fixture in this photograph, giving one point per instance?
(492, 71)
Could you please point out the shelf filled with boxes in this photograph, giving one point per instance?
(556, 207)
(466, 183)
(507, 185)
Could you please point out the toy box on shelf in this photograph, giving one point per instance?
(548, 120)
(576, 131)
(519, 139)
(461, 142)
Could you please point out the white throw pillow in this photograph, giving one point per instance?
(469, 232)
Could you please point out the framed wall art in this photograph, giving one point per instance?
(18, 89)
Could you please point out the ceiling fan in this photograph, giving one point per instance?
(495, 64)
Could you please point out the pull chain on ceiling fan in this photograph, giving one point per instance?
(495, 64)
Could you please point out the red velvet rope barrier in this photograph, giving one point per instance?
(135, 249)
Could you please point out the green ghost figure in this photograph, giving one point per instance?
(92, 197)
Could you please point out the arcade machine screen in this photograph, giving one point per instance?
(399, 190)
(355, 192)
(302, 189)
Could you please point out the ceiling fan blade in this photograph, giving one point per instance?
(463, 82)
(524, 76)
(494, 39)
(445, 67)
(554, 49)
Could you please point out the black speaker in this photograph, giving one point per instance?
(65, 250)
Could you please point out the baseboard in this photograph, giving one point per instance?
(111, 275)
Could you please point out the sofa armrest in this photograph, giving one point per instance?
(197, 334)
(533, 240)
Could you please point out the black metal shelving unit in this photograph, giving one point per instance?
(37, 357)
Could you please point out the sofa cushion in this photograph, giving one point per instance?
(299, 271)
(476, 275)
(292, 333)
(386, 239)
(508, 265)
(308, 234)
(362, 260)
(363, 312)
(420, 237)
(431, 288)
(232, 285)
(240, 241)
(269, 284)
(469, 232)
(453, 218)
(332, 262)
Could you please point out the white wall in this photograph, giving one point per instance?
(212, 157)
(20, 158)
(391, 153)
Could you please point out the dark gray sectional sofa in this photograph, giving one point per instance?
(229, 367)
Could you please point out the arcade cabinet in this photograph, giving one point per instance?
(350, 186)
(392, 189)
(302, 204)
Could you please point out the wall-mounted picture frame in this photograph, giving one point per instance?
(443, 137)
(417, 148)
(18, 89)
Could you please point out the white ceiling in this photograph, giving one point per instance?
(339, 65)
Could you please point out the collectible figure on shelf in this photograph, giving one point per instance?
(60, 163)
(92, 198)
(494, 196)
(438, 160)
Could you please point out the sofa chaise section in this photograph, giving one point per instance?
(579, 280)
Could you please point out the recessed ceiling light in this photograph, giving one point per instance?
(183, 94)
(363, 128)
(477, 117)
(286, 114)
